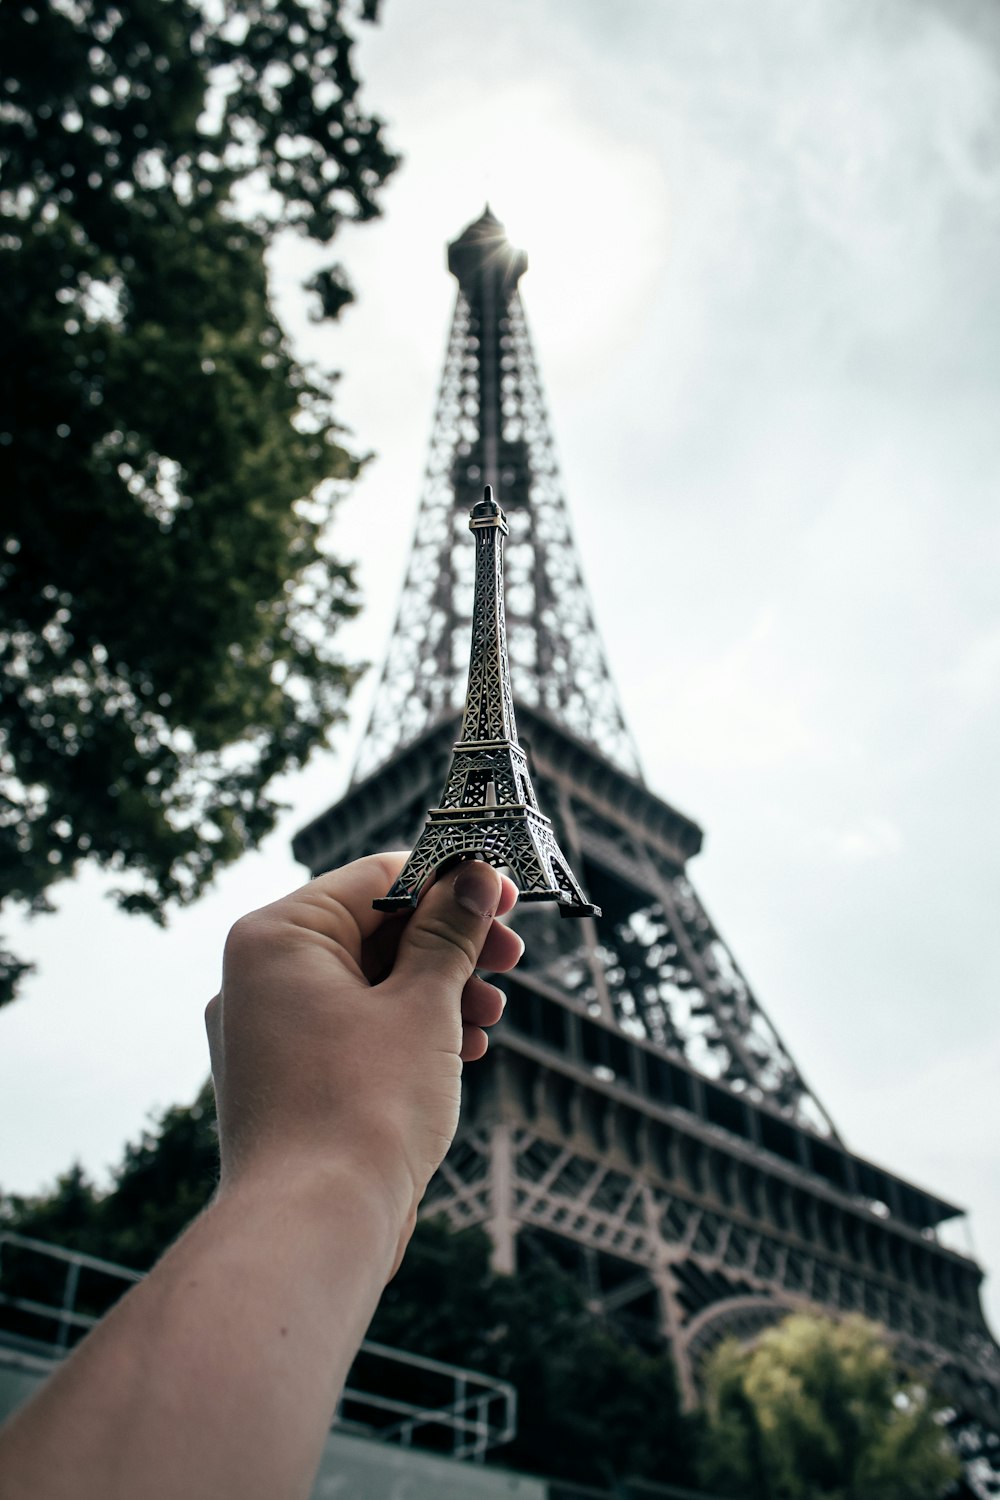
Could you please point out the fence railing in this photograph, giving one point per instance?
(51, 1297)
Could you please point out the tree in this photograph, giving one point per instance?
(162, 1182)
(167, 597)
(817, 1408)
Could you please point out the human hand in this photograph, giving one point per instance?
(338, 1038)
(337, 1045)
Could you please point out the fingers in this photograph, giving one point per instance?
(453, 923)
(475, 1043)
(482, 1003)
(339, 905)
(445, 936)
(501, 949)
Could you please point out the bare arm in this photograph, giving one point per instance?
(217, 1376)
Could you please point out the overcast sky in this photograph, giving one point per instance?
(763, 289)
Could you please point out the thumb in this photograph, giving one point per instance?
(444, 937)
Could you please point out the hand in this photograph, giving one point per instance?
(339, 1035)
(337, 1046)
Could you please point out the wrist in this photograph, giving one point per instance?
(318, 1196)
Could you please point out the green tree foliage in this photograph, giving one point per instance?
(817, 1408)
(168, 469)
(591, 1407)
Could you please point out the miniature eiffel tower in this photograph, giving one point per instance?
(488, 810)
(637, 1117)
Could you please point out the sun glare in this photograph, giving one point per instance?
(591, 211)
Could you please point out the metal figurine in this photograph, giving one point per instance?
(488, 809)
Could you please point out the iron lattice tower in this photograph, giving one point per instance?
(637, 1116)
(490, 428)
(488, 808)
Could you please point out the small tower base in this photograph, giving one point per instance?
(489, 809)
(517, 838)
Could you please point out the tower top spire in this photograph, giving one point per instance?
(483, 251)
(491, 428)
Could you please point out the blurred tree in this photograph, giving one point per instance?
(66, 1216)
(164, 1179)
(168, 469)
(816, 1408)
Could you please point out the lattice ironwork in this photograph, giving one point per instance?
(491, 427)
(661, 970)
(488, 809)
(660, 1250)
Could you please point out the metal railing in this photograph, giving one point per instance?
(46, 1306)
(51, 1297)
(439, 1405)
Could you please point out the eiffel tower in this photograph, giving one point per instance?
(489, 810)
(637, 1116)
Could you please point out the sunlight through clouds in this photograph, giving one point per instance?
(591, 209)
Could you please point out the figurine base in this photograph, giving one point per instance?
(395, 903)
(566, 908)
(408, 903)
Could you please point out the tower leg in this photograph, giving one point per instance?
(501, 1225)
(404, 893)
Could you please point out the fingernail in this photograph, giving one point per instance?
(476, 888)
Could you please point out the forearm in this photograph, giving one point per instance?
(218, 1375)
(337, 1045)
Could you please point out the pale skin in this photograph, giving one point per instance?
(337, 1043)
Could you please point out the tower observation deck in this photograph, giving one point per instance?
(637, 1118)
